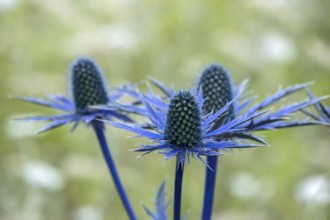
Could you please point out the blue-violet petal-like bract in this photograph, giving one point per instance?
(160, 204)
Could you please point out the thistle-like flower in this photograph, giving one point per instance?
(88, 89)
(179, 128)
(217, 89)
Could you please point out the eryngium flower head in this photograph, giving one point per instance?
(178, 127)
(88, 89)
(183, 124)
(87, 85)
(217, 90)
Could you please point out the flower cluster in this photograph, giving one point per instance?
(228, 117)
(203, 122)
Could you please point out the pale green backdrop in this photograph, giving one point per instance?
(58, 175)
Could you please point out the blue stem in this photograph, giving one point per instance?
(209, 188)
(98, 128)
(178, 188)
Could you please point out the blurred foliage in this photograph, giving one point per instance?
(271, 43)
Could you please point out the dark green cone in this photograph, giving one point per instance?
(183, 126)
(87, 85)
(217, 90)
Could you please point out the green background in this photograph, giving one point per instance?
(271, 43)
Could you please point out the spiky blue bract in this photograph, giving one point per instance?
(195, 138)
(160, 204)
(323, 112)
(88, 89)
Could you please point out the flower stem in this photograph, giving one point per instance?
(98, 128)
(178, 188)
(209, 188)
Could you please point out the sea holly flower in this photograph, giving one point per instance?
(178, 128)
(217, 88)
(88, 89)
